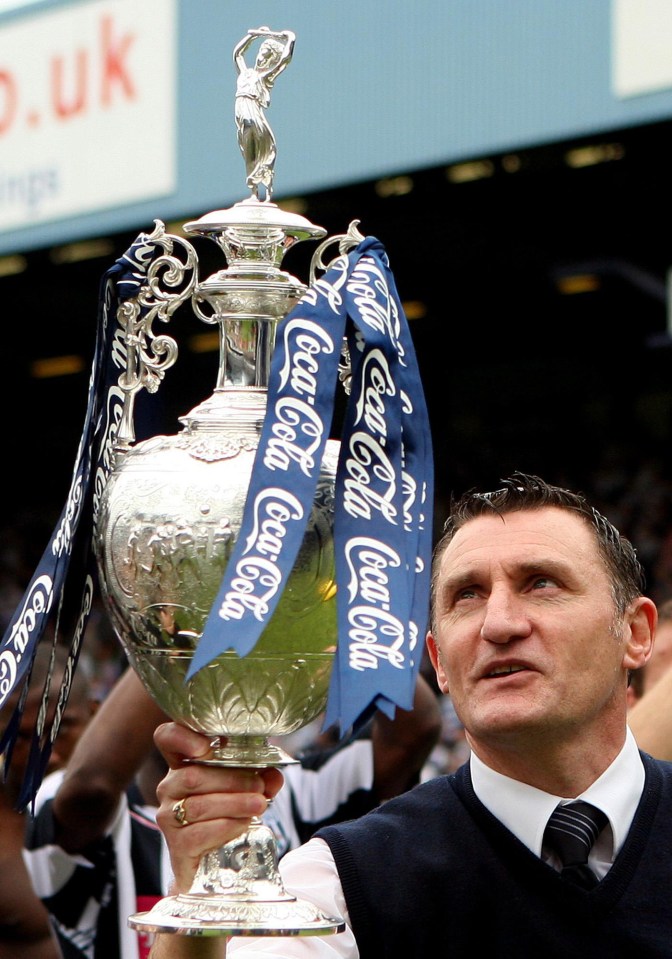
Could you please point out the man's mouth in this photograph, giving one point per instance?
(505, 671)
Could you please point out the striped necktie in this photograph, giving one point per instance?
(571, 833)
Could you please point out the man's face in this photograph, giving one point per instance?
(527, 638)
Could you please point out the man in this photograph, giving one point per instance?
(538, 618)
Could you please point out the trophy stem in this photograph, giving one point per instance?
(237, 890)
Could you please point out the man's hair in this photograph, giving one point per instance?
(521, 491)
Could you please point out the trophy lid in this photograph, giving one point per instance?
(253, 213)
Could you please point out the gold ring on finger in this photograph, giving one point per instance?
(180, 813)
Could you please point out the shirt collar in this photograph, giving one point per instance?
(525, 810)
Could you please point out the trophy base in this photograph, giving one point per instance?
(194, 915)
(238, 891)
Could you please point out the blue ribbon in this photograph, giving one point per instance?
(57, 577)
(384, 497)
(384, 489)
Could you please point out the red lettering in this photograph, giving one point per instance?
(9, 97)
(77, 102)
(114, 70)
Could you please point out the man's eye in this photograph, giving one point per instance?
(543, 582)
(468, 593)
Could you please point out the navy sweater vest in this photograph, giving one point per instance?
(433, 873)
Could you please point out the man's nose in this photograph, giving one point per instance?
(505, 617)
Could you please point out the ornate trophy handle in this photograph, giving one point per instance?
(346, 241)
(148, 356)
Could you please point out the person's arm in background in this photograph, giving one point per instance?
(401, 745)
(650, 719)
(104, 763)
(25, 928)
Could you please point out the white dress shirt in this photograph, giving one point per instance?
(523, 809)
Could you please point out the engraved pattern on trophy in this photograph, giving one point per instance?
(214, 447)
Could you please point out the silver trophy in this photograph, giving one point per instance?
(170, 513)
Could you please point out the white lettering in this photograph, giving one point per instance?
(301, 348)
(37, 602)
(241, 596)
(329, 291)
(272, 509)
(365, 627)
(8, 669)
(377, 382)
(367, 559)
(368, 461)
(257, 577)
(372, 302)
(294, 421)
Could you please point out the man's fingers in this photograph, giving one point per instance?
(212, 807)
(193, 793)
(177, 743)
(202, 807)
(197, 823)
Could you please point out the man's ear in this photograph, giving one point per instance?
(641, 619)
(435, 658)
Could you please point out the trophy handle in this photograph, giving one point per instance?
(148, 356)
(346, 241)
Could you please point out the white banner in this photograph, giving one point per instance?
(87, 109)
(642, 46)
